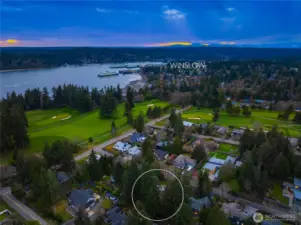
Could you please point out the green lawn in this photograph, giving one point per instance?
(217, 155)
(277, 194)
(234, 186)
(227, 148)
(4, 206)
(47, 125)
(60, 209)
(263, 118)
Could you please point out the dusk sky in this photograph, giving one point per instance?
(148, 23)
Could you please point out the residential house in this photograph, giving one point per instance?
(217, 161)
(222, 130)
(134, 151)
(230, 160)
(82, 199)
(171, 158)
(237, 132)
(136, 137)
(162, 144)
(62, 177)
(198, 204)
(97, 156)
(187, 124)
(234, 209)
(115, 216)
(294, 141)
(211, 146)
(160, 154)
(297, 194)
(122, 146)
(210, 168)
(184, 162)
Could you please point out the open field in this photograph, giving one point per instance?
(259, 118)
(61, 124)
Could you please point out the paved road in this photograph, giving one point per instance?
(99, 148)
(221, 140)
(268, 208)
(19, 207)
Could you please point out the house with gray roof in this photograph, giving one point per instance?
(82, 199)
(198, 204)
(116, 217)
(62, 177)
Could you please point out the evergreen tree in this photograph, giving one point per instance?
(139, 123)
(129, 118)
(108, 106)
(179, 127)
(216, 115)
(199, 153)
(127, 108)
(118, 173)
(205, 186)
(94, 167)
(216, 216)
(147, 151)
(130, 97)
(246, 111)
(229, 107)
(172, 118)
(113, 128)
(281, 168)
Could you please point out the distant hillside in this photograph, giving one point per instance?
(17, 58)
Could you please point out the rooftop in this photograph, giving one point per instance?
(297, 182)
(80, 197)
(187, 124)
(183, 161)
(216, 161)
(198, 204)
(160, 154)
(210, 166)
(62, 177)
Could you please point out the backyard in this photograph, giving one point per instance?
(259, 118)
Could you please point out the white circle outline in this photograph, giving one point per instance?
(145, 217)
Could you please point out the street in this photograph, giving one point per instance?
(268, 208)
(20, 208)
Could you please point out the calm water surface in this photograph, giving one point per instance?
(86, 75)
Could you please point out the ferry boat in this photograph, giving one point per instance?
(129, 71)
(131, 67)
(107, 74)
(118, 66)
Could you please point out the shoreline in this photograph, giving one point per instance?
(18, 70)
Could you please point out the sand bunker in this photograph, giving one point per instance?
(195, 118)
(150, 105)
(53, 117)
(66, 118)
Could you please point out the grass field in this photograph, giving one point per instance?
(60, 124)
(259, 118)
(227, 148)
(277, 194)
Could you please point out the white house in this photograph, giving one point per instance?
(187, 124)
(134, 151)
(217, 161)
(121, 146)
